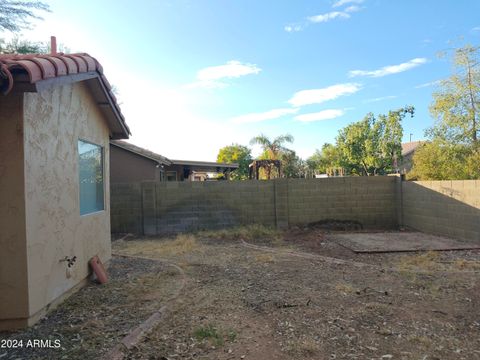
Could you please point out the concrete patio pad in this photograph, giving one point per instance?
(399, 242)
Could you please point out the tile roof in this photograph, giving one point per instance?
(205, 165)
(194, 165)
(34, 69)
(409, 147)
(141, 151)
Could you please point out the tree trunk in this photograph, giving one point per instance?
(365, 169)
(472, 103)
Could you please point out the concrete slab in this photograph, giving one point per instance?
(399, 242)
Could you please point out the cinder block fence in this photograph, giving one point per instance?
(380, 202)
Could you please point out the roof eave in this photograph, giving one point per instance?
(205, 164)
(35, 73)
(164, 161)
(119, 130)
(116, 124)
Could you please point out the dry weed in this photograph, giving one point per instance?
(303, 347)
(248, 233)
(421, 340)
(264, 258)
(428, 261)
(344, 288)
(462, 264)
(180, 245)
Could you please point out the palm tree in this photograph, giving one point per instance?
(272, 149)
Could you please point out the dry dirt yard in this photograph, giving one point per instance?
(254, 293)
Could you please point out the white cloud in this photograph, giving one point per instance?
(321, 115)
(210, 77)
(339, 3)
(176, 118)
(381, 98)
(318, 96)
(232, 69)
(263, 116)
(293, 28)
(328, 16)
(390, 69)
(476, 28)
(353, 8)
(428, 84)
(321, 18)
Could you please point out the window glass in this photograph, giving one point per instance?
(90, 160)
(171, 176)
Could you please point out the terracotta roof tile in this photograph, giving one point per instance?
(43, 67)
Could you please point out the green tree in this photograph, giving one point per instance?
(456, 104)
(442, 160)
(372, 145)
(236, 153)
(327, 161)
(454, 149)
(333, 161)
(292, 165)
(314, 162)
(21, 46)
(272, 149)
(15, 14)
(355, 143)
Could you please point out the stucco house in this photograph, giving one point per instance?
(57, 116)
(408, 150)
(131, 163)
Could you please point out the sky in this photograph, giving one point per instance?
(195, 75)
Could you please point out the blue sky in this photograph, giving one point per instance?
(195, 75)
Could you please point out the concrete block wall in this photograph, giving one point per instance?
(189, 206)
(168, 207)
(368, 200)
(448, 208)
(126, 214)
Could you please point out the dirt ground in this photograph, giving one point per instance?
(254, 293)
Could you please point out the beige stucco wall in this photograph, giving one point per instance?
(13, 261)
(54, 122)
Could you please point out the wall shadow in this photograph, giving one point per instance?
(446, 208)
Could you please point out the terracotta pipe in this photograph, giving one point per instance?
(53, 45)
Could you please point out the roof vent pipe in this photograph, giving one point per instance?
(53, 45)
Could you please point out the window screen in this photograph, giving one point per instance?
(90, 160)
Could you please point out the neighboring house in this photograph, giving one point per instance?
(187, 170)
(408, 150)
(57, 116)
(130, 163)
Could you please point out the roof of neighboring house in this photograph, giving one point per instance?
(409, 147)
(202, 166)
(36, 72)
(142, 152)
(205, 165)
